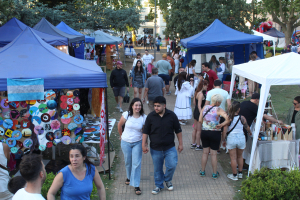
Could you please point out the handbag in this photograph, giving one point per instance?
(234, 125)
(126, 98)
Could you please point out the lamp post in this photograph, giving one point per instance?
(155, 31)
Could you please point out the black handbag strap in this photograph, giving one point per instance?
(1, 166)
(234, 125)
(208, 111)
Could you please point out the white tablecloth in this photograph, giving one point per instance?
(273, 154)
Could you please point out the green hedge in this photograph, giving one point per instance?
(48, 183)
(277, 49)
(267, 184)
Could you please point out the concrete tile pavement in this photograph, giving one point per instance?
(186, 181)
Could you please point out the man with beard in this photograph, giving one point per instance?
(33, 171)
(160, 126)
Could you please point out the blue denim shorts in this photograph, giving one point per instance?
(236, 140)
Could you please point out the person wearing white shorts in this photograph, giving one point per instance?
(236, 140)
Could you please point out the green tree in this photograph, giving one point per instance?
(190, 17)
(286, 13)
(258, 13)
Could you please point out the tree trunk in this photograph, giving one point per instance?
(288, 33)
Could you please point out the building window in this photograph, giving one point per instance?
(146, 18)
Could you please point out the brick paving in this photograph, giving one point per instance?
(186, 181)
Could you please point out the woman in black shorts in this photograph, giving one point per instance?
(211, 132)
(199, 97)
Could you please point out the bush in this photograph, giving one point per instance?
(272, 184)
(48, 183)
(277, 49)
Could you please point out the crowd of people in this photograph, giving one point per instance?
(217, 121)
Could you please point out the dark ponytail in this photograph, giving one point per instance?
(235, 106)
(83, 152)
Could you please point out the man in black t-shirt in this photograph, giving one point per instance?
(160, 126)
(249, 110)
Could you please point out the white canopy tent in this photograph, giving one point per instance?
(278, 70)
(266, 37)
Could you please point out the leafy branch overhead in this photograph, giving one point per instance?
(78, 14)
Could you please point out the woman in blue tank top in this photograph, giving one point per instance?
(76, 180)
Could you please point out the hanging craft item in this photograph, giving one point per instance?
(36, 119)
(72, 126)
(76, 93)
(6, 113)
(16, 135)
(78, 119)
(4, 103)
(14, 150)
(8, 123)
(63, 98)
(57, 134)
(70, 108)
(49, 144)
(69, 94)
(53, 114)
(23, 104)
(65, 120)
(50, 136)
(78, 130)
(26, 132)
(47, 127)
(24, 114)
(66, 140)
(1, 121)
(11, 142)
(45, 117)
(1, 131)
(16, 124)
(43, 108)
(55, 124)
(8, 133)
(34, 111)
(76, 106)
(39, 130)
(50, 95)
(96, 102)
(70, 101)
(14, 114)
(41, 101)
(51, 104)
(66, 132)
(76, 100)
(42, 147)
(13, 104)
(28, 143)
(31, 102)
(25, 123)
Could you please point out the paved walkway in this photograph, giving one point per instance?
(186, 181)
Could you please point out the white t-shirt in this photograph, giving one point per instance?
(220, 91)
(190, 70)
(147, 59)
(21, 194)
(133, 128)
(148, 41)
(222, 66)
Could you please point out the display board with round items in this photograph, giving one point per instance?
(69, 114)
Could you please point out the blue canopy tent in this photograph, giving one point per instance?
(79, 51)
(47, 27)
(217, 38)
(10, 30)
(28, 56)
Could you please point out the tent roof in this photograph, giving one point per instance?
(28, 57)
(104, 38)
(272, 71)
(218, 34)
(10, 30)
(67, 29)
(274, 33)
(266, 37)
(47, 27)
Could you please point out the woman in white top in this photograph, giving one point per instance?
(4, 175)
(138, 57)
(131, 142)
(236, 140)
(176, 60)
(221, 69)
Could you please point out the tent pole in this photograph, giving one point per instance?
(124, 54)
(261, 107)
(187, 55)
(274, 47)
(107, 133)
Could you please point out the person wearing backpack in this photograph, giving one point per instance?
(4, 174)
(236, 140)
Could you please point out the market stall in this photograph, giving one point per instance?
(79, 51)
(10, 30)
(47, 27)
(217, 38)
(266, 37)
(279, 70)
(106, 39)
(44, 97)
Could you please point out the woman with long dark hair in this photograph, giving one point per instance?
(131, 142)
(184, 91)
(76, 180)
(138, 79)
(236, 140)
(199, 97)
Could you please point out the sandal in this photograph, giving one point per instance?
(137, 191)
(127, 182)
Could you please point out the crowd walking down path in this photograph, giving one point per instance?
(187, 182)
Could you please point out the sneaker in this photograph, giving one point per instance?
(121, 110)
(240, 175)
(147, 102)
(182, 123)
(118, 106)
(218, 152)
(202, 173)
(214, 176)
(193, 146)
(169, 93)
(156, 190)
(199, 148)
(234, 178)
(169, 185)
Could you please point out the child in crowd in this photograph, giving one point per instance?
(221, 69)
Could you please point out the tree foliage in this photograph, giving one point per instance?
(190, 17)
(78, 14)
(286, 13)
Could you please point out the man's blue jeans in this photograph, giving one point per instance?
(133, 161)
(158, 157)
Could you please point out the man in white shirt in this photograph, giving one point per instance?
(33, 171)
(147, 58)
